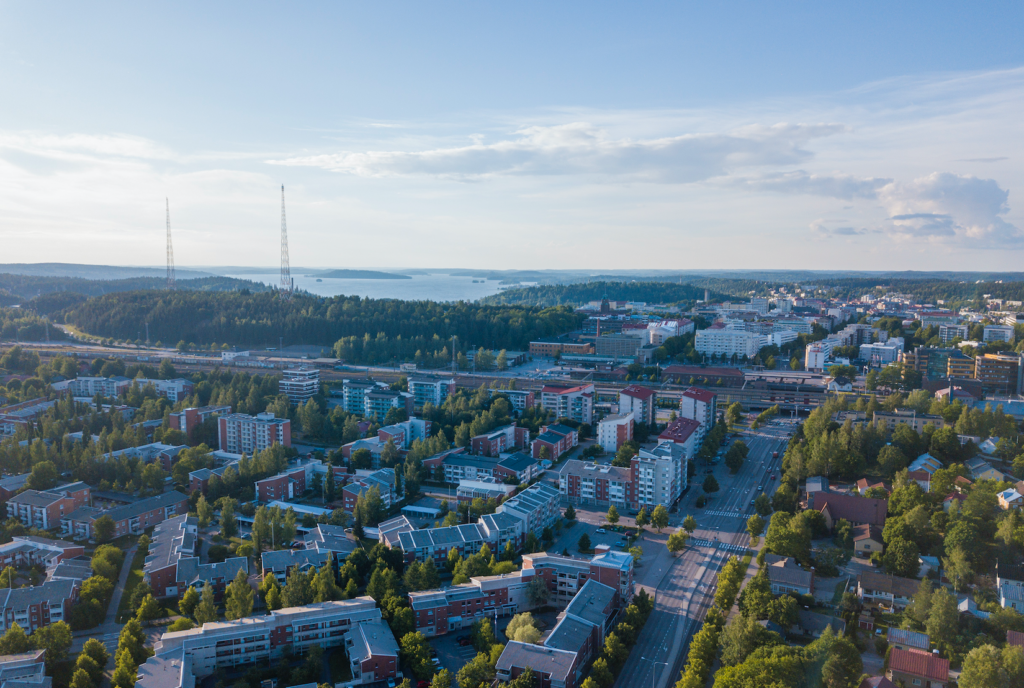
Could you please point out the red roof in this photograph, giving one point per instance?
(919, 475)
(1015, 638)
(638, 392)
(699, 394)
(957, 496)
(918, 663)
(679, 430)
(853, 509)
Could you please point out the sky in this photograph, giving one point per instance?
(596, 135)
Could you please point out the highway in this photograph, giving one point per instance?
(686, 589)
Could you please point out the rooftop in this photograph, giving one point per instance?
(917, 663)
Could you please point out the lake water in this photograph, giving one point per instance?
(420, 287)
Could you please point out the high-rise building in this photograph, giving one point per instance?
(574, 403)
(639, 401)
(239, 433)
(699, 405)
(299, 384)
(429, 390)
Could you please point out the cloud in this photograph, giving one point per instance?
(983, 159)
(950, 207)
(819, 227)
(842, 186)
(582, 149)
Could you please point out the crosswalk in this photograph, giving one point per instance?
(733, 514)
(717, 544)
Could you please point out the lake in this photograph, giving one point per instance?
(436, 287)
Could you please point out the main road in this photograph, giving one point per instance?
(686, 589)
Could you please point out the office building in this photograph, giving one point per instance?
(999, 373)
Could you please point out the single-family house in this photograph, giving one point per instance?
(1010, 499)
(903, 639)
(885, 590)
(788, 576)
(917, 668)
(867, 540)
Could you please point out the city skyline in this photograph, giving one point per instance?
(796, 147)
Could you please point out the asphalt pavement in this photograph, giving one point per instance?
(686, 585)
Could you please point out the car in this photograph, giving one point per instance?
(620, 543)
(391, 683)
(759, 488)
(600, 530)
(752, 502)
(464, 642)
(423, 684)
(773, 476)
(460, 638)
(436, 662)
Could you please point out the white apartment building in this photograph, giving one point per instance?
(91, 386)
(614, 431)
(699, 405)
(882, 353)
(798, 325)
(661, 475)
(948, 333)
(239, 433)
(353, 393)
(299, 385)
(721, 341)
(174, 390)
(639, 401)
(998, 333)
(760, 305)
(429, 390)
(574, 403)
(225, 645)
(817, 354)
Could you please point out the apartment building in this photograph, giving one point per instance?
(372, 652)
(259, 639)
(172, 565)
(28, 550)
(353, 393)
(520, 399)
(659, 475)
(615, 431)
(575, 403)
(331, 539)
(890, 419)
(91, 386)
(439, 612)
(460, 467)
(639, 401)
(292, 482)
(556, 439)
(383, 479)
(17, 416)
(239, 433)
(699, 405)
(583, 482)
(11, 484)
(430, 390)
(44, 510)
(500, 440)
(949, 332)
(189, 419)
(816, 355)
(999, 373)
(882, 353)
(536, 507)
(377, 403)
(549, 349)
(719, 341)
(128, 519)
(997, 333)
(299, 384)
(38, 605)
(683, 432)
(174, 390)
(280, 563)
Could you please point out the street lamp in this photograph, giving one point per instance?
(654, 670)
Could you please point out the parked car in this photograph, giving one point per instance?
(463, 642)
(600, 530)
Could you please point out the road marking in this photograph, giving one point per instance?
(719, 545)
(733, 514)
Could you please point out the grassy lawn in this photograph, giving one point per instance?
(134, 578)
(837, 596)
(337, 662)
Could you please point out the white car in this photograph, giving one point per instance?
(600, 530)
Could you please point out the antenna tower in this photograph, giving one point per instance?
(170, 249)
(286, 271)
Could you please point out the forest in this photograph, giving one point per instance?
(365, 330)
(581, 293)
(23, 287)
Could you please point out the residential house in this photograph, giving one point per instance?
(885, 590)
(867, 540)
(787, 576)
(917, 668)
(372, 652)
(903, 639)
(856, 510)
(1010, 499)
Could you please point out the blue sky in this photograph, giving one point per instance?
(586, 135)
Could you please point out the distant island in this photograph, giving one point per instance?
(359, 274)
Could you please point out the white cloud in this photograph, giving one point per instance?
(844, 186)
(580, 148)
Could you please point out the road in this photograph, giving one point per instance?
(686, 585)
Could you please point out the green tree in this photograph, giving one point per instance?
(206, 610)
(537, 592)
(613, 515)
(188, 601)
(901, 558)
(710, 484)
(55, 638)
(659, 517)
(148, 609)
(97, 651)
(228, 521)
(81, 679)
(755, 526)
(14, 641)
(584, 543)
(522, 628)
(677, 541)
(442, 679)
(205, 511)
(983, 668)
(415, 653)
(642, 519)
(103, 528)
(943, 618)
(570, 513)
(689, 524)
(238, 597)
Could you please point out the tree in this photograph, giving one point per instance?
(710, 484)
(482, 634)
(741, 636)
(228, 521)
(537, 592)
(238, 597)
(583, 544)
(755, 526)
(763, 505)
(205, 511)
(570, 513)
(677, 541)
(103, 528)
(206, 610)
(442, 679)
(415, 653)
(659, 517)
(943, 618)
(983, 669)
(642, 519)
(81, 679)
(188, 602)
(901, 558)
(44, 476)
(689, 524)
(97, 651)
(181, 624)
(14, 641)
(522, 628)
(613, 515)
(148, 609)
(958, 567)
(479, 671)
(55, 638)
